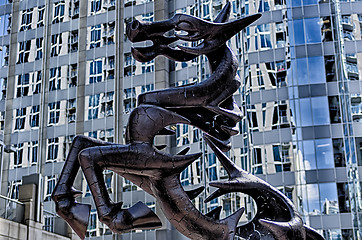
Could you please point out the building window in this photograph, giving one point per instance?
(95, 36)
(22, 85)
(39, 49)
(107, 105)
(18, 155)
(66, 145)
(50, 184)
(54, 112)
(26, 19)
(129, 101)
(54, 81)
(49, 222)
(20, 118)
(59, 9)
(109, 4)
(53, 146)
(2, 122)
(96, 6)
(24, 51)
(56, 45)
(72, 75)
(129, 65)
(41, 12)
(71, 110)
(3, 86)
(92, 228)
(338, 152)
(108, 33)
(212, 171)
(34, 116)
(148, 66)
(95, 71)
(36, 86)
(73, 41)
(33, 152)
(257, 161)
(93, 107)
(185, 177)
(109, 68)
(5, 55)
(75, 11)
(107, 135)
(14, 189)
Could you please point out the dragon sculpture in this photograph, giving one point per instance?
(209, 106)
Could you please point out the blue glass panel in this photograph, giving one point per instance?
(310, 2)
(299, 32)
(305, 112)
(309, 155)
(328, 198)
(313, 30)
(324, 151)
(313, 199)
(320, 111)
(302, 71)
(316, 70)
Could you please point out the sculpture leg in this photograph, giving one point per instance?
(93, 161)
(76, 214)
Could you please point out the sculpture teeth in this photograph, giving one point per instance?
(233, 220)
(278, 229)
(214, 195)
(224, 14)
(184, 151)
(312, 234)
(232, 169)
(231, 131)
(222, 145)
(236, 116)
(192, 194)
(182, 162)
(166, 131)
(215, 213)
(161, 147)
(193, 50)
(222, 186)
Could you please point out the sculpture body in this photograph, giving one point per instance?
(208, 105)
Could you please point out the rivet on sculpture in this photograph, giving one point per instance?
(209, 106)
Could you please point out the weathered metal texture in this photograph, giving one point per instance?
(208, 105)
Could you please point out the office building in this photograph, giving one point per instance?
(66, 70)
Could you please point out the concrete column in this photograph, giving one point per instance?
(161, 82)
(161, 63)
(8, 130)
(27, 195)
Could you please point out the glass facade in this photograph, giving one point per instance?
(66, 69)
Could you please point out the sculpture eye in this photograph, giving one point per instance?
(186, 26)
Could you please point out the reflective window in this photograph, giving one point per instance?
(316, 70)
(306, 112)
(309, 155)
(320, 110)
(324, 153)
(329, 198)
(313, 30)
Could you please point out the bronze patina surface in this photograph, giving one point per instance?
(209, 106)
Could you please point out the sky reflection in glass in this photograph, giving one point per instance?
(324, 153)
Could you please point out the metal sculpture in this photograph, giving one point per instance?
(208, 105)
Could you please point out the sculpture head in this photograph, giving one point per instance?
(212, 35)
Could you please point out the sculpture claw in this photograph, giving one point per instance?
(192, 194)
(75, 214)
(215, 213)
(139, 216)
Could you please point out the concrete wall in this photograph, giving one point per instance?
(32, 231)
